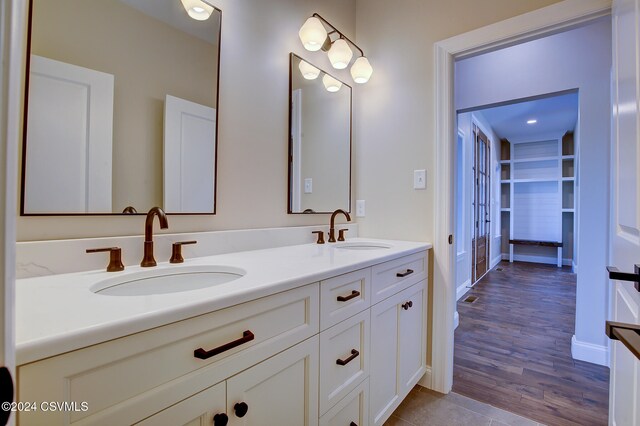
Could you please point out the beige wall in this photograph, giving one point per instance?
(149, 59)
(394, 111)
(257, 37)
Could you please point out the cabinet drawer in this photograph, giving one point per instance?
(344, 358)
(352, 409)
(344, 296)
(127, 379)
(391, 277)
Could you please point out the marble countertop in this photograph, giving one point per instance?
(59, 313)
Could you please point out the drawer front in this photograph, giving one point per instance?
(344, 358)
(158, 367)
(391, 277)
(352, 409)
(344, 296)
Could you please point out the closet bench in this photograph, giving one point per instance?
(556, 244)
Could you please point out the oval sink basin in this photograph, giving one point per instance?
(167, 280)
(362, 245)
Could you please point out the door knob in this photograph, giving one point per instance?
(220, 419)
(241, 409)
(616, 274)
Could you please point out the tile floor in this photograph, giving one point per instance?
(426, 407)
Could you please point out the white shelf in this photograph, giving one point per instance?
(568, 157)
(534, 180)
(505, 161)
(535, 159)
(568, 210)
(568, 179)
(505, 181)
(506, 210)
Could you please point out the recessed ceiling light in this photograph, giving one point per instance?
(534, 121)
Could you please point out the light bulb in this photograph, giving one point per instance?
(308, 71)
(361, 70)
(197, 9)
(312, 34)
(340, 54)
(331, 84)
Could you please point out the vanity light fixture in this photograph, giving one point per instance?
(532, 121)
(308, 71)
(331, 84)
(314, 36)
(197, 9)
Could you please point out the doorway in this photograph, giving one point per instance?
(480, 244)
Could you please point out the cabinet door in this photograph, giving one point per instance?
(412, 339)
(398, 350)
(282, 390)
(384, 392)
(198, 410)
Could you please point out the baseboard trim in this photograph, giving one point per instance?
(463, 289)
(495, 261)
(574, 267)
(584, 351)
(425, 382)
(456, 320)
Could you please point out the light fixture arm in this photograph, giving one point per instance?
(335, 30)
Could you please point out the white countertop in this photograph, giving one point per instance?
(59, 313)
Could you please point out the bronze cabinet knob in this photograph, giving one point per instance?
(240, 409)
(176, 251)
(115, 257)
(341, 233)
(220, 419)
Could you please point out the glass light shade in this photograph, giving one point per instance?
(361, 70)
(340, 54)
(331, 84)
(308, 71)
(312, 34)
(197, 9)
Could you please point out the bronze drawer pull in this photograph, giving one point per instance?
(353, 424)
(200, 353)
(405, 273)
(354, 354)
(354, 293)
(407, 305)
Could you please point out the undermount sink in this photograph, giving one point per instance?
(167, 280)
(362, 245)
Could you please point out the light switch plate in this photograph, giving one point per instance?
(308, 185)
(419, 179)
(359, 208)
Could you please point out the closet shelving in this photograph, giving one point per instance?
(537, 180)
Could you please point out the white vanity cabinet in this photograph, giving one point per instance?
(344, 351)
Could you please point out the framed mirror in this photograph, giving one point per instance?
(121, 107)
(319, 140)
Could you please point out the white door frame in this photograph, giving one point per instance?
(13, 15)
(542, 22)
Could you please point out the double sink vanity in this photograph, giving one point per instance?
(330, 334)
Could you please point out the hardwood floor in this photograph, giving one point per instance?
(513, 348)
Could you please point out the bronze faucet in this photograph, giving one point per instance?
(148, 259)
(332, 230)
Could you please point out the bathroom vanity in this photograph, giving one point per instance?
(311, 334)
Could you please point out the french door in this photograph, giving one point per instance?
(481, 205)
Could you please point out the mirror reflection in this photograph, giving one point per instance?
(122, 107)
(320, 140)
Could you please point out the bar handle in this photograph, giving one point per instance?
(341, 234)
(320, 236)
(176, 251)
(354, 355)
(354, 293)
(628, 334)
(617, 274)
(405, 273)
(247, 336)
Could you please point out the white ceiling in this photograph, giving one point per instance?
(555, 115)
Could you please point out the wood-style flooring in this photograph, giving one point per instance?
(513, 348)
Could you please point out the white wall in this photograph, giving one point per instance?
(257, 37)
(464, 260)
(577, 59)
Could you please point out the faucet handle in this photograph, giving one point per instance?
(341, 234)
(320, 236)
(176, 251)
(115, 258)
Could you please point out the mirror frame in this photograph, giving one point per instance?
(23, 159)
(292, 57)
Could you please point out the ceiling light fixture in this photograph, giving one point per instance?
(314, 36)
(532, 121)
(197, 9)
(308, 71)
